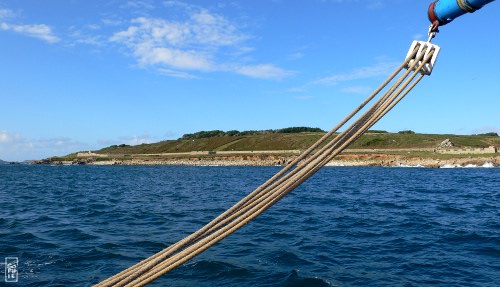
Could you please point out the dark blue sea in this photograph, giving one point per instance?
(346, 226)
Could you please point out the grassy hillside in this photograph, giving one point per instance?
(299, 141)
(422, 141)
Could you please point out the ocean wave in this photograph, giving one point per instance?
(411, 166)
(217, 269)
(488, 165)
(450, 166)
(485, 165)
(295, 280)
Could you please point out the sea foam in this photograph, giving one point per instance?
(485, 165)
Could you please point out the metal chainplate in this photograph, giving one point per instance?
(427, 68)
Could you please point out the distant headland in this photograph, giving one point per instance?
(278, 147)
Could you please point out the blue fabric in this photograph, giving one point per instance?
(448, 10)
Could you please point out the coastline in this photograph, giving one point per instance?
(385, 160)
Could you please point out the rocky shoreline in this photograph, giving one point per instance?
(275, 160)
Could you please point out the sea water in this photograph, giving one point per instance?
(346, 226)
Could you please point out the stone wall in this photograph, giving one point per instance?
(468, 150)
(89, 154)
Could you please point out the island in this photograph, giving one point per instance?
(280, 147)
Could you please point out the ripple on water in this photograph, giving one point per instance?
(344, 227)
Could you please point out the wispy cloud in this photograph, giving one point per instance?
(176, 74)
(111, 22)
(197, 43)
(189, 41)
(139, 5)
(129, 140)
(6, 137)
(264, 71)
(189, 45)
(374, 4)
(39, 31)
(137, 140)
(381, 68)
(484, 130)
(87, 38)
(14, 146)
(6, 13)
(59, 144)
(176, 3)
(369, 4)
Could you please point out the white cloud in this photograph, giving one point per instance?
(175, 58)
(59, 144)
(86, 37)
(137, 140)
(111, 22)
(129, 140)
(6, 13)
(198, 43)
(90, 40)
(369, 4)
(382, 68)
(15, 147)
(374, 4)
(139, 5)
(179, 4)
(6, 137)
(186, 45)
(264, 71)
(484, 130)
(176, 74)
(39, 31)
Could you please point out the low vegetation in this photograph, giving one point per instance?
(407, 132)
(492, 134)
(296, 138)
(235, 133)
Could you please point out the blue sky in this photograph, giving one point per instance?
(81, 75)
